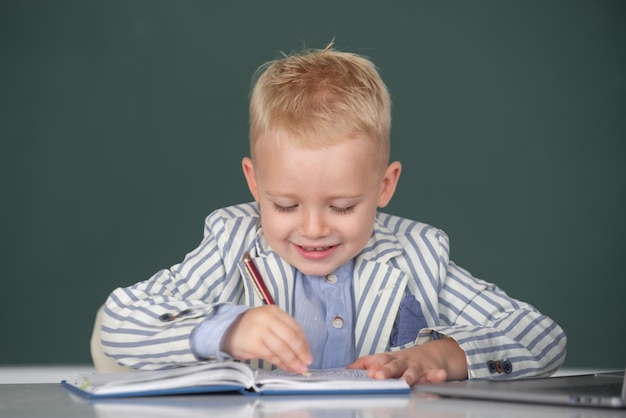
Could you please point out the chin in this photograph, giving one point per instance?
(312, 268)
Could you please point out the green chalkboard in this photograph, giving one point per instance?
(123, 124)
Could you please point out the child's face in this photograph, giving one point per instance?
(318, 205)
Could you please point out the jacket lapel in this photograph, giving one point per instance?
(278, 275)
(378, 292)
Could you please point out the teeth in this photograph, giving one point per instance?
(315, 248)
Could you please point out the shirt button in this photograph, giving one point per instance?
(337, 322)
(331, 278)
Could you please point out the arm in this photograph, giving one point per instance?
(490, 334)
(191, 312)
(494, 329)
(148, 325)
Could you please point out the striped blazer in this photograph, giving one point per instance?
(148, 325)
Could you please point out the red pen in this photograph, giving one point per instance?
(259, 286)
(257, 280)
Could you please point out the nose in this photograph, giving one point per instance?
(313, 224)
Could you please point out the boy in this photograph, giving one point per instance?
(353, 287)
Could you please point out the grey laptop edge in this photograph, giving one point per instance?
(607, 390)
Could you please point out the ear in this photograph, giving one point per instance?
(389, 183)
(248, 172)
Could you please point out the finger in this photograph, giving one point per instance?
(359, 364)
(432, 376)
(362, 363)
(373, 364)
(286, 330)
(415, 375)
(287, 353)
(295, 340)
(393, 368)
(284, 341)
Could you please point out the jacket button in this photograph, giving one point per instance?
(166, 317)
(499, 367)
(508, 367)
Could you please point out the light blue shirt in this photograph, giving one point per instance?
(323, 306)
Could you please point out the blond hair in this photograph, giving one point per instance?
(317, 96)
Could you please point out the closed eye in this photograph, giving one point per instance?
(343, 211)
(284, 209)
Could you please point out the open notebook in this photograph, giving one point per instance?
(229, 376)
(598, 390)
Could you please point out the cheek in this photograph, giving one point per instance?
(359, 228)
(274, 226)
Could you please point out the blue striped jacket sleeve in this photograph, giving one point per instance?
(148, 325)
(490, 326)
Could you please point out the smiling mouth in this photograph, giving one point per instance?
(313, 253)
(316, 249)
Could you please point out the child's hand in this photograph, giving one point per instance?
(433, 362)
(268, 333)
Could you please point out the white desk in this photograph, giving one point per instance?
(51, 400)
(21, 397)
